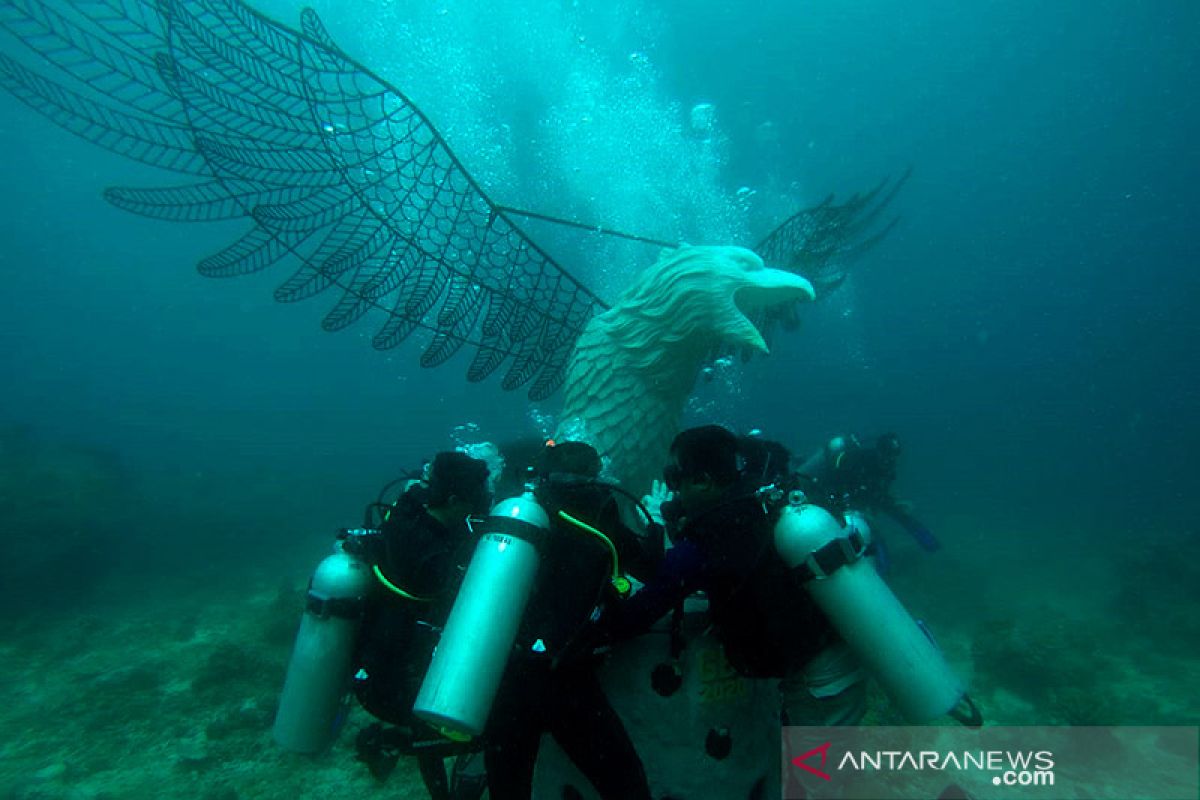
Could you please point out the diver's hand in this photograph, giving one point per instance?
(659, 494)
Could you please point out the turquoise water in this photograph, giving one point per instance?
(176, 451)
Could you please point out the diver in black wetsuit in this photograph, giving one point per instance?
(418, 554)
(851, 475)
(550, 683)
(722, 529)
(734, 502)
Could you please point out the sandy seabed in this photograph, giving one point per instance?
(166, 689)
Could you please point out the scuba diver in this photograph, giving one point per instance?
(852, 476)
(550, 683)
(373, 609)
(723, 545)
(418, 557)
(791, 595)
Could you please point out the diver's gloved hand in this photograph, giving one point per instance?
(659, 494)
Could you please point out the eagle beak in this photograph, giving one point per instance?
(763, 289)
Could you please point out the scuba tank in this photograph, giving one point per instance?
(829, 561)
(857, 521)
(461, 683)
(318, 674)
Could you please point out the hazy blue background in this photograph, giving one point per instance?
(1028, 329)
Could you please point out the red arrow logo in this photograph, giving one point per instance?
(823, 751)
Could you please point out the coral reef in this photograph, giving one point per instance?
(171, 695)
(1074, 706)
(1063, 667)
(172, 698)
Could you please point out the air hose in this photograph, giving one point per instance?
(619, 581)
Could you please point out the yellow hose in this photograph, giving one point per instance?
(619, 582)
(394, 588)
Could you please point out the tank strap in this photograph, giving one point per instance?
(517, 528)
(324, 607)
(831, 556)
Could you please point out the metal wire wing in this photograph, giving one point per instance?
(819, 242)
(340, 174)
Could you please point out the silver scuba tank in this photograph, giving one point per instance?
(318, 674)
(873, 622)
(461, 683)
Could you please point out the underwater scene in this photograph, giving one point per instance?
(569, 395)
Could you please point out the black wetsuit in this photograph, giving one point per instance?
(424, 558)
(768, 624)
(862, 478)
(550, 683)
